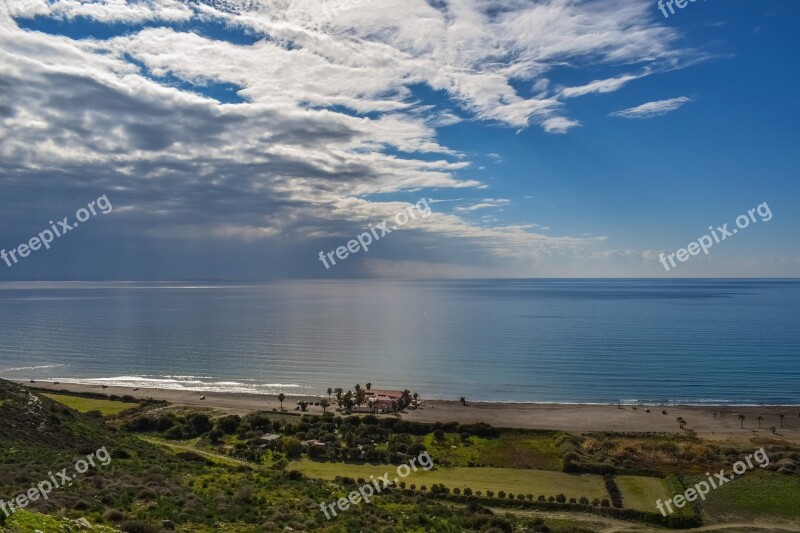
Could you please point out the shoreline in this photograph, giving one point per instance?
(710, 421)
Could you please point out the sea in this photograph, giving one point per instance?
(699, 341)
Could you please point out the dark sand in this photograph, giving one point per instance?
(719, 422)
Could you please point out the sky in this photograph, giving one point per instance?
(254, 139)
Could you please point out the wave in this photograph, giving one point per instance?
(188, 383)
(38, 367)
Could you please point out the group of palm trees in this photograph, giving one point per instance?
(760, 419)
(682, 422)
(346, 400)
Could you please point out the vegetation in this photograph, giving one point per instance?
(86, 405)
(201, 470)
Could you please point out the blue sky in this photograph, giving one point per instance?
(554, 138)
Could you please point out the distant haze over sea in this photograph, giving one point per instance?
(564, 341)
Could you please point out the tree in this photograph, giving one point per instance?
(405, 399)
(290, 446)
(741, 420)
(759, 418)
(303, 405)
(281, 397)
(781, 419)
(330, 391)
(361, 396)
(214, 435)
(347, 400)
(369, 386)
(325, 404)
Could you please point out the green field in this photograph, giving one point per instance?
(509, 450)
(641, 493)
(757, 494)
(510, 480)
(84, 405)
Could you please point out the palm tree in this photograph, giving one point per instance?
(406, 397)
(781, 418)
(347, 400)
(416, 396)
(360, 395)
(741, 419)
(369, 386)
(339, 391)
(281, 397)
(325, 404)
(759, 418)
(330, 391)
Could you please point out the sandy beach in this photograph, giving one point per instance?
(720, 422)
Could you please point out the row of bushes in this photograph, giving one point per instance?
(613, 490)
(676, 522)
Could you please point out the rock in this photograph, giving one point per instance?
(82, 523)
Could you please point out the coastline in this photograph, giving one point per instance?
(710, 421)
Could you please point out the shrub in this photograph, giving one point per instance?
(140, 526)
(613, 491)
(215, 435)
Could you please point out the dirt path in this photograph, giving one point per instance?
(766, 526)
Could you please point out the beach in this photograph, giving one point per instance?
(712, 422)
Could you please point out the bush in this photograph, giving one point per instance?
(139, 526)
(215, 435)
(613, 491)
(230, 423)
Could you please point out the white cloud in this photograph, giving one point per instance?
(652, 109)
(329, 116)
(598, 86)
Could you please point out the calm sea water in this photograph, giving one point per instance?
(696, 341)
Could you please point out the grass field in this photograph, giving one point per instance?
(84, 405)
(510, 450)
(642, 492)
(510, 480)
(757, 494)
